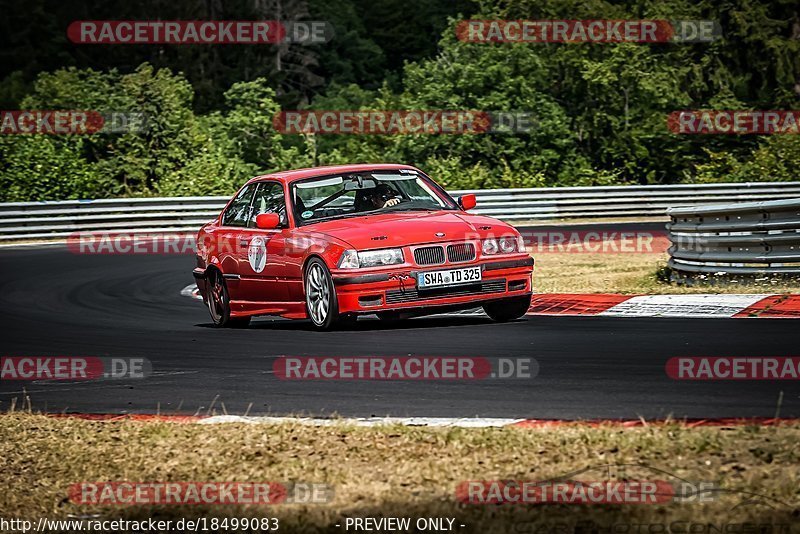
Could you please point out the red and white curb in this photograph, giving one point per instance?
(696, 306)
(699, 306)
(192, 291)
(431, 422)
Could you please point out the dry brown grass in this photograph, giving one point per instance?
(561, 272)
(396, 471)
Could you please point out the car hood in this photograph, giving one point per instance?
(409, 228)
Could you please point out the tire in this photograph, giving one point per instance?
(219, 303)
(322, 306)
(508, 309)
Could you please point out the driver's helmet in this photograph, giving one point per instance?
(382, 193)
(373, 198)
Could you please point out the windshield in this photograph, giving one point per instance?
(365, 193)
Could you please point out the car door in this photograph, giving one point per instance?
(232, 223)
(261, 253)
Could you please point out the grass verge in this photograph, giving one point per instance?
(400, 471)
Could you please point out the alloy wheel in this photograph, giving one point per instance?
(318, 294)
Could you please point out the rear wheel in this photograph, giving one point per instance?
(219, 303)
(508, 309)
(321, 303)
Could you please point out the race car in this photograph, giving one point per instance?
(330, 244)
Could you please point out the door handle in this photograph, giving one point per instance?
(244, 243)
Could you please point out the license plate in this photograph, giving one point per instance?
(452, 277)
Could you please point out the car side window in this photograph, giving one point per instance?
(238, 213)
(269, 198)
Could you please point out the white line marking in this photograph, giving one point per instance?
(48, 244)
(367, 421)
(698, 306)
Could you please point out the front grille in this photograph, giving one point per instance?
(460, 252)
(411, 294)
(429, 255)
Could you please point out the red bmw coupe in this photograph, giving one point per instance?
(332, 243)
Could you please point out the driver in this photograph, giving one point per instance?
(382, 196)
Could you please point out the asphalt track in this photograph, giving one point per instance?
(53, 302)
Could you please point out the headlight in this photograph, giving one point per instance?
(508, 245)
(349, 260)
(490, 246)
(504, 245)
(377, 258)
(370, 258)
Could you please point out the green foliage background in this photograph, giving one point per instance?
(600, 109)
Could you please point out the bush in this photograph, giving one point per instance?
(178, 153)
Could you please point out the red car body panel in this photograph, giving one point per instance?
(278, 289)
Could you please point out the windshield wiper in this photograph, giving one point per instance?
(333, 217)
(379, 211)
(418, 208)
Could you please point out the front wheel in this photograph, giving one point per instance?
(219, 303)
(508, 309)
(321, 303)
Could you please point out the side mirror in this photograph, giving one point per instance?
(268, 221)
(467, 202)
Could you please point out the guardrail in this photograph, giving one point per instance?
(57, 220)
(747, 238)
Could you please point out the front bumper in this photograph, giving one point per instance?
(201, 281)
(396, 289)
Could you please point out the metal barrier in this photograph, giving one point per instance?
(57, 220)
(747, 238)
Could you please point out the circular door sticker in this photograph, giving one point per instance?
(257, 253)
